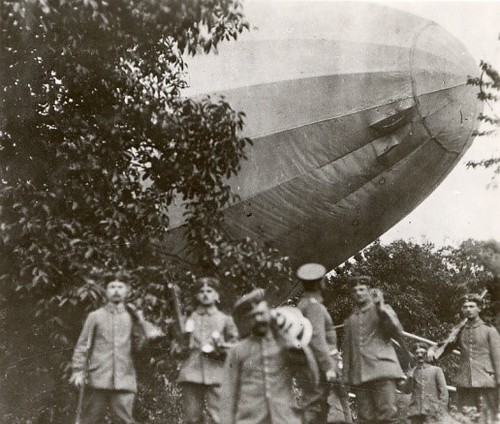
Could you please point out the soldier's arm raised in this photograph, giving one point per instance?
(390, 321)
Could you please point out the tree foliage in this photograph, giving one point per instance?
(96, 142)
(422, 283)
(489, 93)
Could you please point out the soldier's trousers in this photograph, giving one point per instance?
(194, 399)
(377, 402)
(96, 401)
(314, 401)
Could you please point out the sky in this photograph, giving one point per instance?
(466, 204)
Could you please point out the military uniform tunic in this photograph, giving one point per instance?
(368, 352)
(479, 365)
(429, 393)
(199, 368)
(316, 401)
(110, 363)
(257, 387)
(371, 365)
(200, 375)
(324, 337)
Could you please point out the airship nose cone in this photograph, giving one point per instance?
(440, 66)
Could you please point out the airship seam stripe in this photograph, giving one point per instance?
(338, 158)
(256, 137)
(414, 89)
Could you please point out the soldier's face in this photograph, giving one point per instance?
(260, 317)
(116, 291)
(470, 310)
(207, 296)
(361, 294)
(420, 354)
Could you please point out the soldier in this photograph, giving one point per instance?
(492, 259)
(212, 332)
(429, 393)
(323, 344)
(257, 387)
(371, 365)
(478, 377)
(107, 332)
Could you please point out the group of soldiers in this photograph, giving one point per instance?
(282, 366)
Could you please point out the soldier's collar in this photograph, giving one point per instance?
(365, 308)
(474, 324)
(206, 311)
(115, 309)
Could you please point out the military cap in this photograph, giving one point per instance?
(420, 345)
(243, 306)
(246, 303)
(472, 297)
(118, 280)
(311, 272)
(207, 281)
(361, 280)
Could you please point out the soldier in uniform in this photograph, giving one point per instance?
(212, 332)
(478, 377)
(429, 393)
(257, 387)
(110, 374)
(323, 344)
(371, 365)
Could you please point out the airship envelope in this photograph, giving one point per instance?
(357, 112)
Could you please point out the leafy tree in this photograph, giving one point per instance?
(422, 283)
(489, 89)
(96, 143)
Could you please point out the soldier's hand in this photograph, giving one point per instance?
(77, 378)
(431, 354)
(135, 311)
(378, 297)
(331, 375)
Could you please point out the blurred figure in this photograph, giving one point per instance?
(211, 334)
(102, 360)
(492, 258)
(371, 365)
(257, 387)
(429, 393)
(315, 397)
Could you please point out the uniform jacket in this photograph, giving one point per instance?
(324, 337)
(110, 361)
(479, 364)
(198, 368)
(368, 352)
(429, 394)
(257, 386)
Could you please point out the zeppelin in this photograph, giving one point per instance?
(357, 112)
